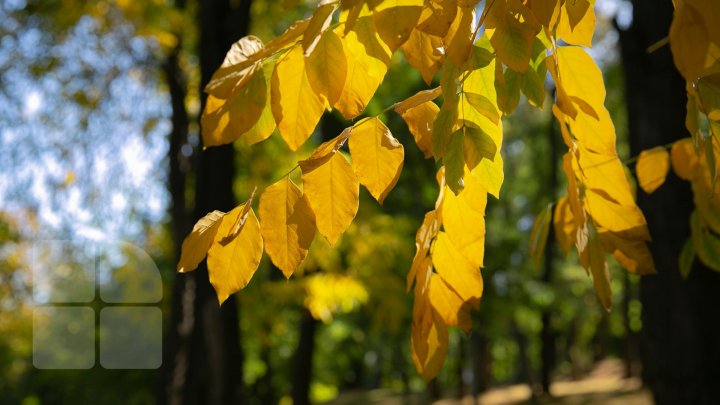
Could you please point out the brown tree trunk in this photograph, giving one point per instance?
(302, 367)
(205, 358)
(680, 334)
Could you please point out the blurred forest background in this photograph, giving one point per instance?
(99, 139)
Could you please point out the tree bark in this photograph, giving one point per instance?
(302, 368)
(205, 360)
(680, 333)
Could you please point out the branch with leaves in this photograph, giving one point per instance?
(337, 59)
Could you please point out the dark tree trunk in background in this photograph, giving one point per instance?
(547, 335)
(302, 362)
(205, 357)
(680, 340)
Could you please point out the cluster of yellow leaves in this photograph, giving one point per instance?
(695, 44)
(652, 168)
(336, 59)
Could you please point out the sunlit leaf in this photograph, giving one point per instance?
(197, 243)
(419, 120)
(327, 67)
(331, 188)
(295, 106)
(287, 225)
(235, 253)
(377, 157)
(652, 167)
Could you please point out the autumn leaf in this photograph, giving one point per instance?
(331, 188)
(652, 167)
(423, 52)
(295, 106)
(327, 67)
(419, 120)
(463, 219)
(367, 62)
(287, 225)
(197, 243)
(395, 20)
(377, 157)
(456, 270)
(235, 253)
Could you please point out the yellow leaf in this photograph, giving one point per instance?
(632, 254)
(318, 24)
(615, 217)
(377, 157)
(577, 23)
(422, 52)
(539, 235)
(327, 67)
(395, 20)
(652, 168)
(458, 40)
(332, 189)
(265, 124)
(419, 120)
(597, 134)
(437, 16)
(684, 159)
(367, 62)
(224, 121)
(416, 99)
(196, 245)
(603, 172)
(689, 41)
(233, 259)
(295, 106)
(580, 77)
(448, 305)
(456, 270)
(564, 224)
(424, 236)
(240, 63)
(463, 218)
(287, 225)
(429, 340)
(600, 272)
(489, 173)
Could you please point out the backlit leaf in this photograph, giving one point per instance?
(422, 52)
(331, 188)
(377, 157)
(652, 168)
(232, 260)
(196, 244)
(327, 67)
(419, 120)
(287, 225)
(295, 106)
(463, 218)
(395, 20)
(456, 270)
(367, 62)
